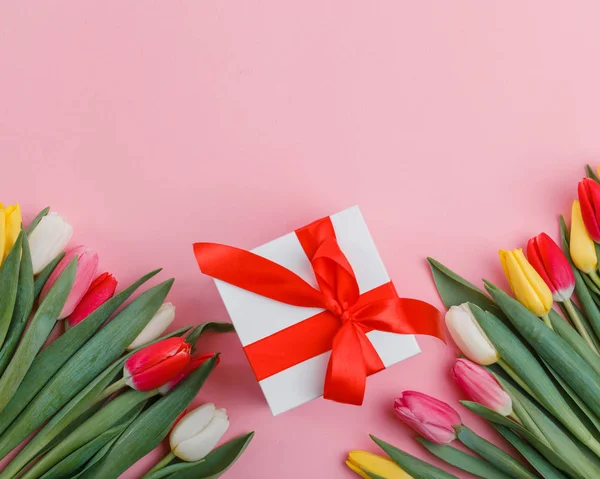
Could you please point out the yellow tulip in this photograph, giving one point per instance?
(2, 233)
(526, 284)
(363, 463)
(582, 247)
(12, 227)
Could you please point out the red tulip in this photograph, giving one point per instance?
(430, 417)
(481, 387)
(100, 291)
(549, 261)
(589, 198)
(157, 364)
(194, 364)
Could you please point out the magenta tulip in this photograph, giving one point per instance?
(87, 264)
(481, 387)
(430, 417)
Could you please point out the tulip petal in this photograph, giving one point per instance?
(357, 470)
(469, 337)
(375, 464)
(157, 325)
(161, 373)
(551, 264)
(589, 198)
(198, 446)
(2, 233)
(582, 248)
(153, 354)
(100, 291)
(12, 221)
(195, 421)
(49, 238)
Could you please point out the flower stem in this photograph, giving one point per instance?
(513, 374)
(160, 464)
(546, 319)
(579, 325)
(595, 278)
(113, 388)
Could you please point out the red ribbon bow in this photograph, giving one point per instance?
(341, 328)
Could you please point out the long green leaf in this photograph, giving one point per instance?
(493, 454)
(415, 467)
(539, 462)
(36, 335)
(565, 464)
(91, 359)
(467, 462)
(22, 309)
(52, 358)
(9, 280)
(150, 427)
(35, 221)
(215, 464)
(42, 278)
(553, 349)
(74, 462)
(209, 326)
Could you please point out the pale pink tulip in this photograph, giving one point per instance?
(430, 417)
(87, 264)
(481, 387)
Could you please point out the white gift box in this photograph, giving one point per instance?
(256, 317)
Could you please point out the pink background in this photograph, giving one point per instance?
(458, 127)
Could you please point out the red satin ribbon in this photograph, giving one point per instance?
(341, 328)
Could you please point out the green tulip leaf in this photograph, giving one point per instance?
(415, 467)
(36, 221)
(42, 277)
(590, 173)
(151, 426)
(467, 462)
(9, 282)
(36, 335)
(22, 309)
(52, 358)
(493, 454)
(216, 463)
(86, 364)
(209, 326)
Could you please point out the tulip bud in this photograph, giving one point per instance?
(365, 463)
(49, 238)
(157, 325)
(525, 282)
(549, 261)
(198, 432)
(481, 387)
(430, 417)
(12, 228)
(589, 199)
(582, 248)
(468, 335)
(101, 290)
(87, 264)
(194, 364)
(156, 364)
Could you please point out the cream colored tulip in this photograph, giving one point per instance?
(469, 337)
(49, 238)
(157, 325)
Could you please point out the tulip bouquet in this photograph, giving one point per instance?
(530, 371)
(114, 384)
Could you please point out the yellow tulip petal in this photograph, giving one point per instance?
(503, 254)
(582, 247)
(374, 464)
(2, 235)
(12, 221)
(522, 288)
(598, 170)
(535, 280)
(358, 470)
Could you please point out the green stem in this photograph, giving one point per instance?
(579, 325)
(110, 390)
(513, 374)
(160, 464)
(547, 321)
(595, 278)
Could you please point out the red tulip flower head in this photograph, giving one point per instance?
(157, 364)
(589, 198)
(549, 261)
(100, 291)
(194, 364)
(430, 417)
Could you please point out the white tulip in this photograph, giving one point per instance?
(157, 325)
(198, 432)
(469, 337)
(48, 239)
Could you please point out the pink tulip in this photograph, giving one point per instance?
(549, 261)
(481, 387)
(589, 198)
(157, 364)
(87, 264)
(101, 290)
(430, 417)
